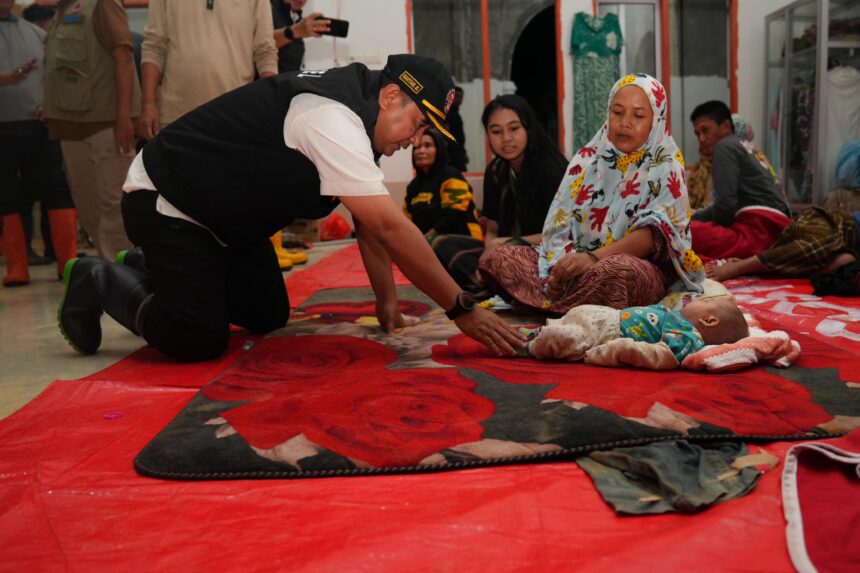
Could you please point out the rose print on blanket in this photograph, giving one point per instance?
(338, 398)
(335, 392)
(768, 403)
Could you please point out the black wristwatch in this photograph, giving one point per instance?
(288, 33)
(464, 303)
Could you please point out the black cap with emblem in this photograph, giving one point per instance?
(426, 81)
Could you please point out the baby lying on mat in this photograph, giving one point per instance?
(650, 336)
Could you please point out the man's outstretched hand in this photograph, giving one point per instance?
(391, 319)
(491, 330)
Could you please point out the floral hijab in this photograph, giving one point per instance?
(606, 194)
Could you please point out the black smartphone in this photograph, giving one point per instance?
(338, 28)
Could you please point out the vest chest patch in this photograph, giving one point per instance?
(423, 198)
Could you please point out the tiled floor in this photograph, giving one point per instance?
(33, 353)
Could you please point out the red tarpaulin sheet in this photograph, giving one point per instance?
(342, 269)
(70, 499)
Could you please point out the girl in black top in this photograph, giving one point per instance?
(519, 185)
(439, 200)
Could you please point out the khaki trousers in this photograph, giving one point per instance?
(95, 173)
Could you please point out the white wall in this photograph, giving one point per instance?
(377, 28)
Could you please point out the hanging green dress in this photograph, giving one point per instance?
(595, 45)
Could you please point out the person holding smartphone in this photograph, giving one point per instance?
(291, 29)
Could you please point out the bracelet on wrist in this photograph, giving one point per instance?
(464, 303)
(593, 256)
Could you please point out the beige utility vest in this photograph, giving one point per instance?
(80, 83)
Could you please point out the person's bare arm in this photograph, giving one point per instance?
(491, 231)
(377, 262)
(153, 56)
(265, 50)
(639, 243)
(123, 65)
(533, 239)
(491, 238)
(19, 74)
(150, 122)
(406, 246)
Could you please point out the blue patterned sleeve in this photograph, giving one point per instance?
(682, 343)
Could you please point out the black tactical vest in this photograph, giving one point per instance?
(226, 165)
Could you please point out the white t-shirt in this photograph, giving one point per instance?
(327, 132)
(332, 136)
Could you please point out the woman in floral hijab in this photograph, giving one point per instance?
(617, 233)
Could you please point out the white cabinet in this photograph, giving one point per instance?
(809, 43)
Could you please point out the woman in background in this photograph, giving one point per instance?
(519, 185)
(439, 200)
(617, 233)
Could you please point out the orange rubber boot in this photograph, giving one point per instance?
(14, 247)
(64, 236)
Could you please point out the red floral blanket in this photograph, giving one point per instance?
(332, 395)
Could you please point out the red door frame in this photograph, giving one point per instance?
(733, 55)
(485, 63)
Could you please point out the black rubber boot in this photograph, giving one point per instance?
(123, 293)
(79, 315)
(94, 286)
(133, 259)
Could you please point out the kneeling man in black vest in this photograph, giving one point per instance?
(205, 194)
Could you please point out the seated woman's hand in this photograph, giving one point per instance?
(495, 244)
(491, 246)
(565, 270)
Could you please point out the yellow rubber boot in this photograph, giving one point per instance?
(283, 259)
(283, 254)
(296, 258)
